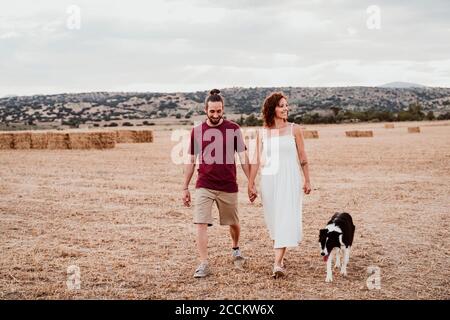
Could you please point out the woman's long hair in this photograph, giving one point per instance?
(268, 109)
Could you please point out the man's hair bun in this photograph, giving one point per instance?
(214, 96)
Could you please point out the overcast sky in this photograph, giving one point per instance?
(186, 45)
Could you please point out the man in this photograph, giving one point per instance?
(215, 142)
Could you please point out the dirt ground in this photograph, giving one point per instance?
(118, 216)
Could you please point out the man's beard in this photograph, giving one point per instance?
(214, 121)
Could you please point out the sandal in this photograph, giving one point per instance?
(278, 272)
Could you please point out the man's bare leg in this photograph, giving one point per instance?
(235, 231)
(202, 245)
(202, 241)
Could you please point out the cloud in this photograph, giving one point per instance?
(9, 35)
(181, 45)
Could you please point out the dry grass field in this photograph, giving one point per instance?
(118, 216)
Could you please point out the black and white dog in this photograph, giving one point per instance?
(336, 237)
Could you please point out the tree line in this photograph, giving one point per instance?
(413, 113)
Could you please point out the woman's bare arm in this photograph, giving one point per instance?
(299, 141)
(255, 162)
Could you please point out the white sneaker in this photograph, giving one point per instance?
(237, 255)
(202, 270)
(238, 259)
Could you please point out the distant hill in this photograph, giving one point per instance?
(402, 85)
(107, 107)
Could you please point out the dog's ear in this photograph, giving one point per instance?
(322, 234)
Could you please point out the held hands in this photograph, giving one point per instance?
(252, 193)
(307, 187)
(186, 198)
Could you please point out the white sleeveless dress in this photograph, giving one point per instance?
(281, 189)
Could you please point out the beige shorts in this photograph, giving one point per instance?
(226, 202)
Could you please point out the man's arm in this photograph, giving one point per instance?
(188, 173)
(243, 154)
(245, 163)
(247, 168)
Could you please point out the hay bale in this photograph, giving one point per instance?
(413, 129)
(124, 136)
(92, 140)
(359, 133)
(143, 136)
(310, 134)
(6, 141)
(368, 133)
(134, 136)
(39, 140)
(22, 140)
(58, 140)
(79, 140)
(389, 125)
(107, 140)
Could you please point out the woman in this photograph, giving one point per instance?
(279, 150)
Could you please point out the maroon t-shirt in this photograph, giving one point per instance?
(216, 147)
